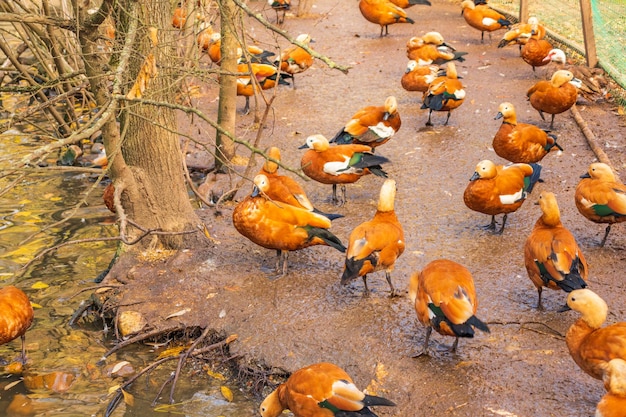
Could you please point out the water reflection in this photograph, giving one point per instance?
(34, 217)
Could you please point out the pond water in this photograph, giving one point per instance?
(35, 215)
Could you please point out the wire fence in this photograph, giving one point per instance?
(563, 18)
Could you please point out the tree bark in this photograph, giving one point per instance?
(227, 111)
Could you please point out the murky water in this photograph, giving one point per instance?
(33, 218)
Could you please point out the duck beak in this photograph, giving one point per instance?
(498, 116)
(585, 175)
(386, 116)
(305, 146)
(475, 176)
(255, 191)
(564, 308)
(576, 82)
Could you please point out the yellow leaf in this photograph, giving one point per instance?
(114, 388)
(152, 34)
(35, 305)
(39, 285)
(216, 375)
(175, 351)
(56, 198)
(128, 398)
(227, 393)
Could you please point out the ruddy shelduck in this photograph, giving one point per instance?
(534, 52)
(552, 257)
(341, 164)
(496, 189)
(520, 33)
(445, 93)
(284, 189)
(405, 4)
(280, 6)
(282, 227)
(444, 299)
(483, 18)
(294, 59)
(593, 81)
(554, 96)
(371, 125)
(210, 42)
(375, 245)
(432, 49)
(600, 197)
(384, 13)
(613, 404)
(592, 346)
(16, 316)
(418, 77)
(320, 390)
(265, 75)
(521, 142)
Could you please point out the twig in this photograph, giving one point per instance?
(183, 358)
(136, 339)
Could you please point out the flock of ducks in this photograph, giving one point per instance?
(443, 293)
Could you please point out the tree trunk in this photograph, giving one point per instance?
(304, 7)
(227, 111)
(149, 166)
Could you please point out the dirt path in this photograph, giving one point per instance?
(522, 368)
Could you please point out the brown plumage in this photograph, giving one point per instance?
(551, 254)
(266, 76)
(375, 245)
(591, 345)
(280, 6)
(320, 390)
(372, 125)
(521, 142)
(418, 77)
(520, 33)
(534, 52)
(281, 227)
(445, 93)
(613, 404)
(294, 60)
(432, 49)
(341, 164)
(496, 189)
(554, 96)
(594, 82)
(444, 298)
(405, 4)
(16, 316)
(483, 18)
(600, 197)
(383, 13)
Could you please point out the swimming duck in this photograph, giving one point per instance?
(375, 245)
(320, 390)
(282, 227)
(385, 13)
(496, 189)
(16, 316)
(552, 257)
(294, 60)
(600, 197)
(554, 96)
(445, 93)
(444, 298)
(591, 345)
(341, 164)
(371, 125)
(521, 142)
(483, 18)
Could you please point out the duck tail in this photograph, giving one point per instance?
(328, 238)
(573, 280)
(554, 142)
(479, 324)
(353, 267)
(458, 56)
(504, 22)
(370, 400)
(342, 138)
(423, 2)
(533, 179)
(369, 160)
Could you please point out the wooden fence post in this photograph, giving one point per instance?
(523, 11)
(590, 40)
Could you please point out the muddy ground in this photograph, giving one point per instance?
(522, 368)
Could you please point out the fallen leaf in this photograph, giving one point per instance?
(174, 351)
(39, 285)
(215, 375)
(227, 393)
(178, 313)
(129, 399)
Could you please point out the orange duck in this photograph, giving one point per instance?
(278, 6)
(211, 43)
(483, 18)
(418, 77)
(341, 164)
(520, 33)
(16, 316)
(591, 345)
(282, 227)
(521, 142)
(405, 4)
(294, 59)
(267, 76)
(432, 49)
(375, 245)
(444, 298)
(179, 17)
(445, 93)
(593, 81)
(600, 197)
(551, 254)
(283, 189)
(371, 126)
(554, 96)
(320, 390)
(613, 404)
(500, 189)
(534, 52)
(385, 13)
